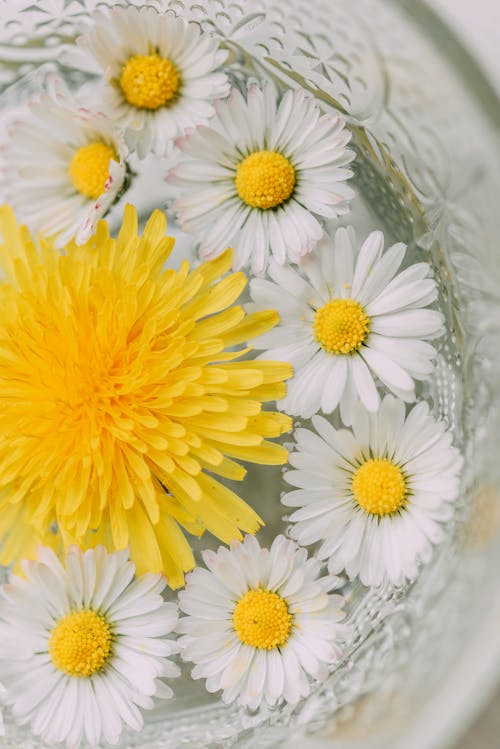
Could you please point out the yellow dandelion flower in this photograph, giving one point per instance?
(122, 396)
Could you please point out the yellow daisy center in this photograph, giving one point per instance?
(262, 619)
(89, 168)
(149, 81)
(80, 643)
(379, 486)
(265, 179)
(341, 326)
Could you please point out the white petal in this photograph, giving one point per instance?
(334, 384)
(363, 381)
(370, 252)
(388, 371)
(238, 667)
(398, 296)
(414, 323)
(382, 273)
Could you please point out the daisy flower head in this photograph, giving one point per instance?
(65, 166)
(84, 645)
(124, 396)
(377, 496)
(162, 71)
(347, 318)
(261, 623)
(261, 174)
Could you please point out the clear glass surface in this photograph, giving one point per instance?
(425, 129)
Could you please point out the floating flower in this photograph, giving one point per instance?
(120, 390)
(163, 73)
(260, 622)
(377, 497)
(260, 175)
(347, 317)
(65, 166)
(84, 646)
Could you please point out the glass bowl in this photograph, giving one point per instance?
(425, 124)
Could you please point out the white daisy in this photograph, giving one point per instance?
(258, 178)
(260, 622)
(377, 497)
(163, 73)
(65, 166)
(83, 647)
(345, 317)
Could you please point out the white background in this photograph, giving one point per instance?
(477, 23)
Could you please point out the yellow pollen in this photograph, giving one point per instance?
(89, 168)
(80, 643)
(262, 619)
(379, 487)
(149, 81)
(341, 326)
(265, 179)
